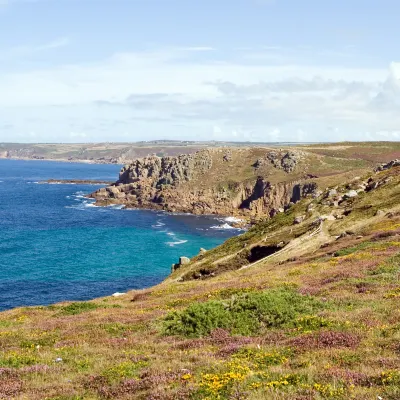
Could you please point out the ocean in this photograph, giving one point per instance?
(55, 245)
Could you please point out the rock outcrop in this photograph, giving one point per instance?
(182, 261)
(183, 184)
(390, 164)
(285, 160)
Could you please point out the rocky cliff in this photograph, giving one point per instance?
(214, 181)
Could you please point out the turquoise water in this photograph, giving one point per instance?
(55, 245)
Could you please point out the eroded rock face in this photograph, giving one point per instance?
(182, 184)
(285, 160)
(166, 170)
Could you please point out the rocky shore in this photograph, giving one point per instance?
(206, 183)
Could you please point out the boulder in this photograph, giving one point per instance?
(184, 260)
(350, 194)
(331, 193)
(174, 267)
(380, 213)
(299, 219)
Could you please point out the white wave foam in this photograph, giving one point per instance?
(158, 224)
(83, 205)
(90, 205)
(171, 234)
(222, 227)
(233, 219)
(177, 243)
(115, 206)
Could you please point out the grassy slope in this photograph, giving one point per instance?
(240, 168)
(347, 347)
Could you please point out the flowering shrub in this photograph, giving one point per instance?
(392, 294)
(391, 377)
(261, 359)
(17, 360)
(127, 369)
(310, 323)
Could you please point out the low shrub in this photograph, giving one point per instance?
(350, 250)
(78, 308)
(245, 315)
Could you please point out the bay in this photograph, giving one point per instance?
(56, 246)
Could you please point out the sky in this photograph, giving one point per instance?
(231, 70)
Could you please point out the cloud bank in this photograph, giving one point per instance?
(196, 93)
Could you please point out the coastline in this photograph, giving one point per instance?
(63, 160)
(238, 221)
(73, 182)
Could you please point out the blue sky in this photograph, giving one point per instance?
(258, 70)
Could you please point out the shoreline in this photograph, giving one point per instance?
(62, 160)
(240, 221)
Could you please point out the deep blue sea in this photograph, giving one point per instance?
(55, 245)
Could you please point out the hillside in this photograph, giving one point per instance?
(249, 182)
(302, 306)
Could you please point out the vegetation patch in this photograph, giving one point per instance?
(127, 369)
(244, 315)
(351, 250)
(78, 308)
(18, 359)
(326, 339)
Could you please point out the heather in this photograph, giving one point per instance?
(318, 319)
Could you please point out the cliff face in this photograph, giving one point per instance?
(166, 170)
(198, 183)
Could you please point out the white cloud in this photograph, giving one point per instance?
(168, 93)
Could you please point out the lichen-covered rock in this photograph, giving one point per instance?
(284, 160)
(289, 161)
(166, 170)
